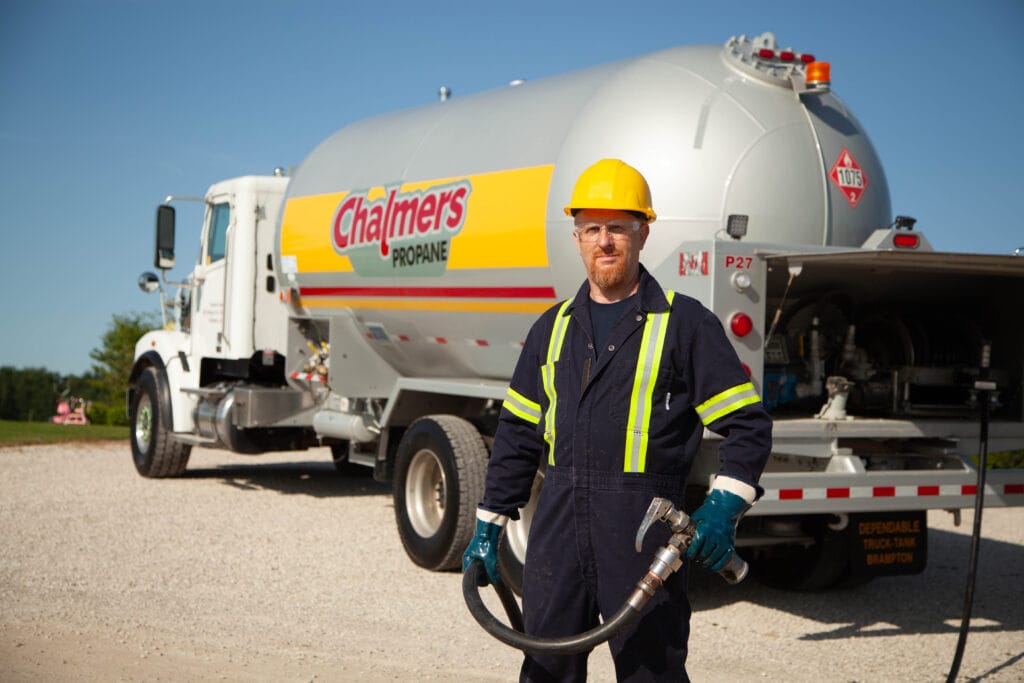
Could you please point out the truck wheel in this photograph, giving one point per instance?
(154, 452)
(812, 568)
(512, 547)
(439, 479)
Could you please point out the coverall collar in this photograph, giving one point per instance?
(650, 296)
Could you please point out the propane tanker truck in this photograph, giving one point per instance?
(376, 301)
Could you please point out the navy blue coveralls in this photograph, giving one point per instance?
(612, 439)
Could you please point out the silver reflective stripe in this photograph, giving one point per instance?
(548, 376)
(519, 405)
(726, 402)
(641, 399)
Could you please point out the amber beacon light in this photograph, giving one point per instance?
(819, 75)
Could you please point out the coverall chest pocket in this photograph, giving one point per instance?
(670, 390)
(621, 388)
(649, 400)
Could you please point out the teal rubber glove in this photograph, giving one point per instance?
(715, 536)
(484, 546)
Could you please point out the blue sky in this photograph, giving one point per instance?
(107, 107)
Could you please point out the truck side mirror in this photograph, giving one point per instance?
(164, 237)
(148, 282)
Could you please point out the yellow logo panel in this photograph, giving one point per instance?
(489, 220)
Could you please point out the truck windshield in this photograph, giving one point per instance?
(220, 217)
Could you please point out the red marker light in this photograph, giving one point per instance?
(904, 241)
(787, 56)
(765, 53)
(806, 58)
(741, 324)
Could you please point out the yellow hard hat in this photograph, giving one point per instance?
(612, 184)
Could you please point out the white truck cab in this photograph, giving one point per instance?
(229, 321)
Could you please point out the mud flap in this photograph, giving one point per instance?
(888, 544)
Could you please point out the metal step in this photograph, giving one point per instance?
(193, 439)
(207, 392)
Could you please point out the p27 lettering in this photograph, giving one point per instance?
(739, 262)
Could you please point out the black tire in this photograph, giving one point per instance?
(154, 452)
(512, 547)
(439, 479)
(822, 565)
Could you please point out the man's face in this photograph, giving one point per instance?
(611, 255)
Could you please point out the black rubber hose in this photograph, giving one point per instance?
(508, 601)
(569, 645)
(972, 566)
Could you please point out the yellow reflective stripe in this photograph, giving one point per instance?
(726, 402)
(547, 374)
(642, 398)
(558, 332)
(519, 405)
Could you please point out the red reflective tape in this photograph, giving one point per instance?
(443, 292)
(883, 491)
(307, 377)
(791, 494)
(1013, 489)
(927, 490)
(403, 337)
(968, 489)
(837, 493)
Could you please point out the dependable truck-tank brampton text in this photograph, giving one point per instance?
(376, 302)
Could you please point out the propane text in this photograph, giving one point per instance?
(419, 253)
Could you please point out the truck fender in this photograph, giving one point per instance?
(148, 360)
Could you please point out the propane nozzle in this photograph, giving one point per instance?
(669, 558)
(661, 510)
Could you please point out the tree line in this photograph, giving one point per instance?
(32, 394)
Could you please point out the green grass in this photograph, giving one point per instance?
(1006, 460)
(20, 433)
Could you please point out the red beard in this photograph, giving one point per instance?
(609, 277)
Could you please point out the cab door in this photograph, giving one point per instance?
(208, 299)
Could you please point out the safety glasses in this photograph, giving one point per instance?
(617, 230)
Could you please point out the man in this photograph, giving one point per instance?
(612, 392)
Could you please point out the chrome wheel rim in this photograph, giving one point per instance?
(143, 423)
(425, 489)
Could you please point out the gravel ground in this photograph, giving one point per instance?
(276, 568)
